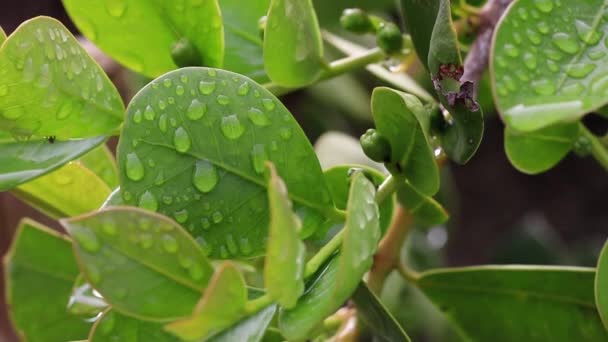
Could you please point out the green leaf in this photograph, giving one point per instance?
(601, 285)
(250, 329)
(50, 86)
(69, 191)
(137, 260)
(335, 282)
(139, 34)
(26, 160)
(425, 209)
(420, 19)
(523, 303)
(200, 157)
(376, 316)
(101, 161)
(293, 48)
(243, 51)
(40, 270)
(538, 151)
(404, 122)
(2, 36)
(114, 326)
(338, 180)
(222, 305)
(560, 75)
(284, 262)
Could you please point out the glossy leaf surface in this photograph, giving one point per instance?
(243, 50)
(538, 151)
(69, 191)
(137, 260)
(22, 161)
(293, 49)
(601, 285)
(50, 86)
(335, 282)
(523, 303)
(195, 144)
(114, 326)
(139, 34)
(101, 161)
(561, 54)
(39, 284)
(222, 305)
(376, 316)
(250, 329)
(404, 122)
(284, 262)
(425, 209)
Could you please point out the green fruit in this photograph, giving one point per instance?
(185, 54)
(375, 146)
(356, 20)
(389, 38)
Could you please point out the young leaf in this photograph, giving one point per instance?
(69, 191)
(293, 48)
(523, 303)
(339, 181)
(559, 49)
(22, 161)
(137, 260)
(243, 51)
(101, 161)
(140, 33)
(250, 329)
(402, 119)
(331, 286)
(39, 284)
(601, 285)
(538, 151)
(51, 87)
(114, 326)
(222, 305)
(376, 316)
(284, 262)
(194, 145)
(425, 209)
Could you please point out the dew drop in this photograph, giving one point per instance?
(87, 239)
(259, 157)
(580, 70)
(64, 110)
(586, 33)
(162, 123)
(116, 8)
(596, 55)
(553, 54)
(179, 90)
(149, 113)
(543, 87)
(258, 117)
(231, 244)
(245, 246)
(243, 89)
(217, 217)
(167, 199)
(530, 60)
(160, 178)
(137, 117)
(162, 104)
(534, 37)
(134, 167)
(170, 244)
(285, 133)
(183, 78)
(565, 42)
(223, 100)
(196, 110)
(599, 85)
(232, 127)
(181, 140)
(167, 83)
(181, 216)
(573, 89)
(205, 223)
(542, 27)
(511, 50)
(206, 87)
(268, 104)
(544, 6)
(205, 176)
(28, 70)
(148, 201)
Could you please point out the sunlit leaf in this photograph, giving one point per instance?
(250, 329)
(425, 209)
(101, 161)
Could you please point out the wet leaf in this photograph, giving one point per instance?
(293, 49)
(39, 284)
(560, 54)
(371, 311)
(404, 122)
(69, 191)
(22, 161)
(284, 262)
(425, 209)
(222, 305)
(153, 27)
(50, 86)
(250, 329)
(195, 143)
(137, 260)
(523, 303)
(101, 161)
(538, 151)
(114, 326)
(601, 285)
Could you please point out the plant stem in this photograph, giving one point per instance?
(258, 304)
(336, 68)
(386, 189)
(598, 150)
(323, 254)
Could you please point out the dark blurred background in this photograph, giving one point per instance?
(498, 215)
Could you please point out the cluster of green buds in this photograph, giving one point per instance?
(375, 146)
(388, 35)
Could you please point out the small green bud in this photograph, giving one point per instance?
(356, 20)
(185, 54)
(582, 146)
(375, 146)
(262, 26)
(389, 38)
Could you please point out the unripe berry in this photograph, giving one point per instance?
(375, 146)
(389, 38)
(356, 20)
